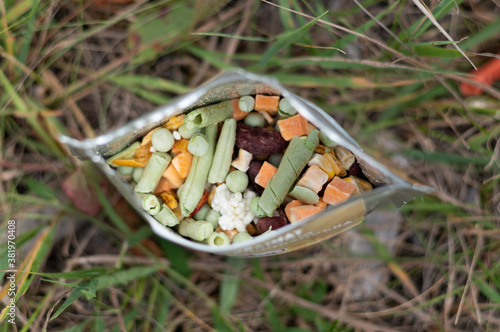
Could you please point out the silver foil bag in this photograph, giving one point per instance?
(234, 84)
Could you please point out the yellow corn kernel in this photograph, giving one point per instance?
(322, 162)
(170, 199)
(175, 122)
(337, 165)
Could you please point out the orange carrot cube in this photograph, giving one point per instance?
(338, 190)
(291, 205)
(296, 125)
(265, 174)
(180, 146)
(173, 177)
(237, 113)
(182, 163)
(162, 186)
(267, 103)
(314, 178)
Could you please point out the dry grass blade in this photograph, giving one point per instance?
(429, 15)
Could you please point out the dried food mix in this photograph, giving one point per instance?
(234, 170)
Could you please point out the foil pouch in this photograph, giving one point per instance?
(234, 84)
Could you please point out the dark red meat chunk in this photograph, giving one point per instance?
(259, 141)
(278, 220)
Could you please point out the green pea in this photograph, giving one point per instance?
(198, 145)
(242, 237)
(325, 140)
(275, 159)
(202, 213)
(125, 170)
(286, 108)
(255, 119)
(256, 209)
(213, 218)
(246, 104)
(137, 173)
(187, 133)
(162, 140)
(237, 181)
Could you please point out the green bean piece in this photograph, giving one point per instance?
(151, 204)
(304, 195)
(153, 171)
(194, 186)
(218, 239)
(137, 173)
(256, 209)
(187, 133)
(126, 153)
(237, 181)
(166, 217)
(286, 108)
(246, 104)
(213, 218)
(162, 140)
(223, 152)
(198, 145)
(242, 237)
(196, 230)
(326, 141)
(294, 160)
(209, 115)
(202, 213)
(255, 119)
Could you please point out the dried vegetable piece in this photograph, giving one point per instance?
(218, 239)
(173, 177)
(242, 162)
(323, 163)
(338, 190)
(305, 195)
(246, 104)
(267, 103)
(196, 230)
(170, 199)
(147, 139)
(266, 172)
(153, 171)
(345, 157)
(336, 164)
(167, 217)
(299, 212)
(230, 233)
(259, 141)
(296, 125)
(180, 146)
(128, 153)
(314, 179)
(209, 115)
(194, 186)
(223, 152)
(361, 185)
(238, 113)
(130, 162)
(294, 160)
(175, 122)
(163, 186)
(182, 163)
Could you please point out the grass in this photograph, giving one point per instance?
(389, 78)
